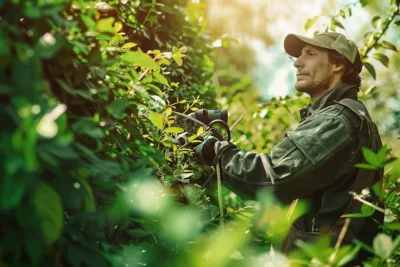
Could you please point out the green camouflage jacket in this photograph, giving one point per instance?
(314, 162)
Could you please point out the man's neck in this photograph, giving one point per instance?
(318, 95)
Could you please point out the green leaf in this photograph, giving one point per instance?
(33, 247)
(382, 58)
(214, 210)
(383, 246)
(128, 45)
(49, 209)
(376, 22)
(368, 37)
(157, 119)
(178, 60)
(106, 25)
(174, 130)
(388, 45)
(160, 78)
(338, 23)
(370, 69)
(370, 157)
(140, 59)
(365, 2)
(354, 215)
(367, 210)
(365, 166)
(117, 107)
(349, 256)
(381, 155)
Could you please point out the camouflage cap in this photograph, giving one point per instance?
(330, 40)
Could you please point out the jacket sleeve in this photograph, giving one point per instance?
(312, 157)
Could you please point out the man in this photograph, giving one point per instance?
(316, 161)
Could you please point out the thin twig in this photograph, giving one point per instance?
(339, 242)
(356, 197)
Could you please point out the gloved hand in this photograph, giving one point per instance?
(205, 151)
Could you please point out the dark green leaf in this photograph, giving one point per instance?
(388, 45)
(33, 246)
(370, 69)
(12, 188)
(117, 107)
(338, 24)
(48, 207)
(382, 58)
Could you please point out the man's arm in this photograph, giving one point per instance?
(319, 152)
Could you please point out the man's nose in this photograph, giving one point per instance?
(298, 63)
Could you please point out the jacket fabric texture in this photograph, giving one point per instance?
(315, 162)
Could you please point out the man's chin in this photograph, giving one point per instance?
(301, 86)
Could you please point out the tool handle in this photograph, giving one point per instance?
(216, 133)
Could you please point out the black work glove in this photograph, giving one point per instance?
(205, 151)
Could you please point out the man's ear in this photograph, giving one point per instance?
(338, 67)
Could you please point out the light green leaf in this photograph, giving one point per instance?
(383, 246)
(376, 22)
(365, 166)
(168, 111)
(183, 49)
(174, 130)
(106, 25)
(368, 37)
(141, 59)
(382, 58)
(371, 157)
(50, 211)
(310, 23)
(178, 60)
(354, 215)
(128, 45)
(370, 69)
(157, 119)
(160, 78)
(365, 2)
(118, 26)
(349, 256)
(367, 210)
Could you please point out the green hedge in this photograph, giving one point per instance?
(83, 88)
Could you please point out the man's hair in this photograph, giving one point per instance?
(350, 75)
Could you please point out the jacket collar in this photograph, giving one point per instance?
(338, 93)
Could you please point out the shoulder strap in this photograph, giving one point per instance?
(369, 138)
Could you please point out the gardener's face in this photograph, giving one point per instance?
(314, 70)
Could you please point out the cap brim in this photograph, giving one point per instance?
(294, 43)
